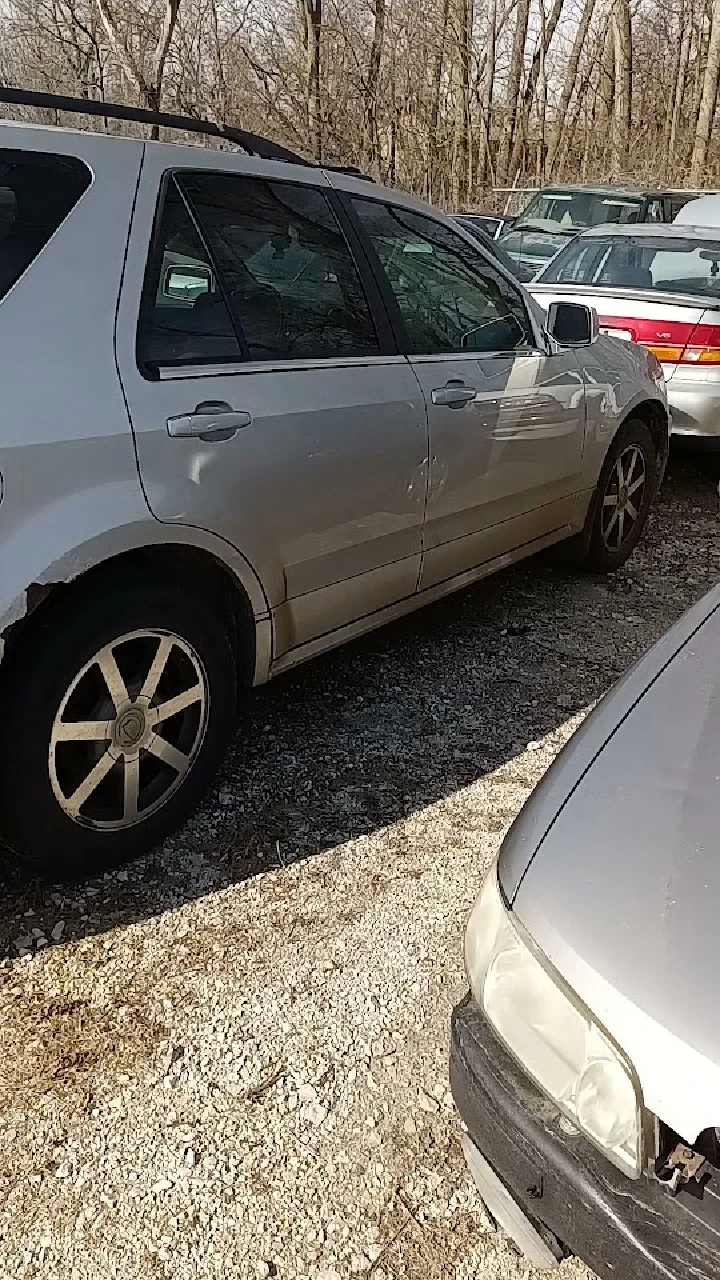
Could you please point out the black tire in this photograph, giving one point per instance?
(633, 440)
(32, 774)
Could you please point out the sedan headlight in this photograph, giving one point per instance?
(549, 1032)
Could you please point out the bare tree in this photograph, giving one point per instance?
(435, 89)
(570, 82)
(622, 46)
(485, 95)
(372, 79)
(512, 97)
(548, 27)
(449, 98)
(708, 101)
(311, 27)
(148, 82)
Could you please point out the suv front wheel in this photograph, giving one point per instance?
(115, 721)
(621, 503)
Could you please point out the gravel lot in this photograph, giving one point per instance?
(229, 1060)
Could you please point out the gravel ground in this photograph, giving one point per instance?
(229, 1060)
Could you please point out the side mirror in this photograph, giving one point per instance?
(572, 324)
(187, 281)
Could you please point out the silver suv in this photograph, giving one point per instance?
(252, 408)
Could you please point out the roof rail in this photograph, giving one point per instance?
(252, 143)
(351, 170)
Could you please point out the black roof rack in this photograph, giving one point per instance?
(252, 143)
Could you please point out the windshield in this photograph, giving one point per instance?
(533, 248)
(667, 264)
(580, 209)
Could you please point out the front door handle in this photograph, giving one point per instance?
(211, 420)
(454, 394)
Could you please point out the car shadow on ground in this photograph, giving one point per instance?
(410, 714)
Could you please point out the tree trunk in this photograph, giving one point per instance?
(484, 157)
(706, 113)
(371, 141)
(436, 81)
(680, 81)
(311, 28)
(461, 149)
(622, 44)
(149, 87)
(537, 64)
(569, 84)
(512, 100)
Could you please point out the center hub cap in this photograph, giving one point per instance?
(130, 728)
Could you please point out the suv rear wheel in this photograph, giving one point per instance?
(114, 725)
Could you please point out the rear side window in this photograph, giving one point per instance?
(251, 269)
(37, 192)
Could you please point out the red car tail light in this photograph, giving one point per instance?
(704, 345)
(672, 341)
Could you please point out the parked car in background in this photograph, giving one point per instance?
(521, 273)
(531, 247)
(659, 286)
(279, 406)
(555, 214)
(585, 1061)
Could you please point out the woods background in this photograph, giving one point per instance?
(451, 99)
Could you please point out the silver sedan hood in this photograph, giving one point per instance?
(613, 867)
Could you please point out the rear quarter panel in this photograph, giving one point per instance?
(66, 452)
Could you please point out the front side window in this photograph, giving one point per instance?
(287, 271)
(37, 192)
(449, 298)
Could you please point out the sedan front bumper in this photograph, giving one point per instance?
(569, 1196)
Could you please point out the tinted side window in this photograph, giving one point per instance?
(37, 192)
(285, 266)
(674, 207)
(450, 298)
(184, 318)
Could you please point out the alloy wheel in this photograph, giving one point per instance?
(623, 498)
(128, 729)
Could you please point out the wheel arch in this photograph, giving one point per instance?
(657, 419)
(202, 563)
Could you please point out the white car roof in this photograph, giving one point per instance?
(703, 212)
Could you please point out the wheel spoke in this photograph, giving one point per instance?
(620, 473)
(631, 510)
(131, 788)
(631, 465)
(111, 675)
(82, 731)
(166, 752)
(79, 797)
(636, 484)
(610, 500)
(180, 702)
(621, 528)
(613, 522)
(157, 667)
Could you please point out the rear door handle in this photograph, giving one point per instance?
(454, 394)
(211, 420)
